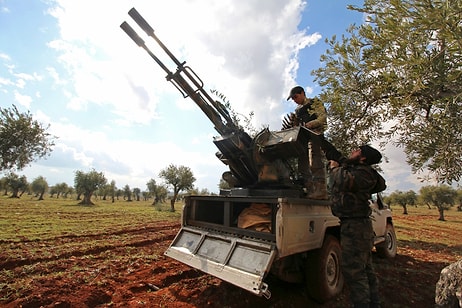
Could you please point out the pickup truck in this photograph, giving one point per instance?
(300, 242)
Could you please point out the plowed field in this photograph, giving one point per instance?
(122, 265)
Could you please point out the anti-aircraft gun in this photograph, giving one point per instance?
(265, 223)
(260, 162)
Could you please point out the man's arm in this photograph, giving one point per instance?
(331, 152)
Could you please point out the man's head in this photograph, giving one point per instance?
(369, 155)
(365, 154)
(295, 92)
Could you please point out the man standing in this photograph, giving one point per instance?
(311, 113)
(352, 180)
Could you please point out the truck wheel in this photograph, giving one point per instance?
(323, 274)
(388, 248)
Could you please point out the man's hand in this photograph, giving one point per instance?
(310, 125)
(333, 164)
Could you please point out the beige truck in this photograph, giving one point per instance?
(264, 224)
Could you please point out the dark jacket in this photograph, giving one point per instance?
(351, 185)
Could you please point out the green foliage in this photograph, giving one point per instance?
(402, 67)
(22, 139)
(242, 121)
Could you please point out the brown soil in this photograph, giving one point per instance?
(99, 279)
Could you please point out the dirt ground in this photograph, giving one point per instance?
(100, 279)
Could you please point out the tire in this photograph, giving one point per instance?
(388, 248)
(323, 275)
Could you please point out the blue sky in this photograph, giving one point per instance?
(108, 102)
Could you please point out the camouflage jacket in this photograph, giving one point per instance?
(351, 187)
(313, 110)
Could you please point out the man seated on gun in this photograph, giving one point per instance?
(312, 114)
(352, 181)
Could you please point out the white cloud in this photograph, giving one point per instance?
(5, 57)
(24, 100)
(5, 82)
(55, 76)
(243, 49)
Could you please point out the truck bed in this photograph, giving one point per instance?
(211, 240)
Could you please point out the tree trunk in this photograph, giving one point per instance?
(404, 210)
(41, 195)
(172, 201)
(172, 204)
(15, 193)
(441, 211)
(86, 199)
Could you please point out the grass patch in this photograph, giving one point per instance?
(28, 219)
(59, 240)
(422, 227)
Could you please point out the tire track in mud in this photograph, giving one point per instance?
(160, 234)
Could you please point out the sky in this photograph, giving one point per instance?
(109, 104)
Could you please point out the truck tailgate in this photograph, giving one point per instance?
(236, 260)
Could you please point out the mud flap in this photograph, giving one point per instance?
(241, 262)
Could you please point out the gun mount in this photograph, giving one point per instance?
(260, 162)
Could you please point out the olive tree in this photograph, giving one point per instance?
(22, 139)
(400, 68)
(111, 190)
(16, 183)
(60, 189)
(137, 193)
(157, 191)
(403, 199)
(39, 186)
(442, 197)
(180, 178)
(127, 193)
(87, 183)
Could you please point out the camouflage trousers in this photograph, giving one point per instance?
(356, 238)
